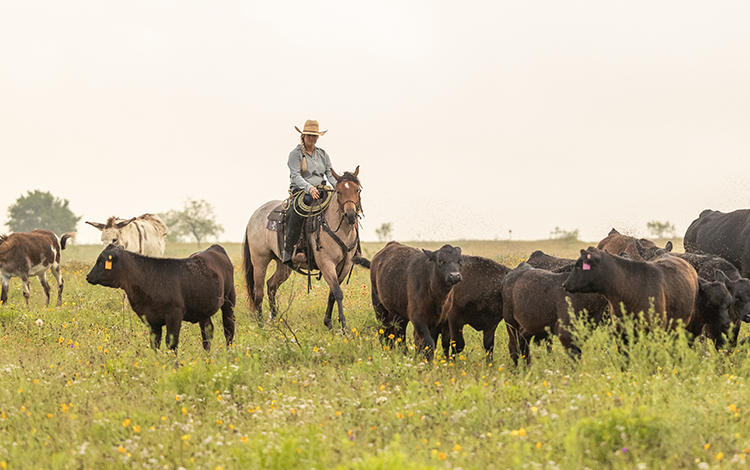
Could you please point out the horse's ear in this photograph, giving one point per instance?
(335, 175)
(356, 171)
(96, 224)
(124, 223)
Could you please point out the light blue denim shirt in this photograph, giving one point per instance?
(318, 168)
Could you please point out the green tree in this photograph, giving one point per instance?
(566, 235)
(196, 220)
(41, 210)
(384, 231)
(661, 229)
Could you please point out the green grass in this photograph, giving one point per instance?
(83, 390)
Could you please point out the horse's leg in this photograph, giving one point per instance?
(279, 276)
(329, 310)
(328, 270)
(260, 265)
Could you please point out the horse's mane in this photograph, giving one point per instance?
(3, 238)
(349, 176)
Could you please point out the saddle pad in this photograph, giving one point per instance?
(275, 218)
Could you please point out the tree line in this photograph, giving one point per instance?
(41, 210)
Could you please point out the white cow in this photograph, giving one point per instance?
(145, 234)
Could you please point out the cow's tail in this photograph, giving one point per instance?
(361, 261)
(64, 239)
(247, 267)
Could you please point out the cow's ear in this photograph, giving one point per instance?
(720, 276)
(702, 284)
(668, 246)
(124, 223)
(96, 224)
(613, 232)
(430, 254)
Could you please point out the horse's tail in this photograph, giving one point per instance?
(247, 266)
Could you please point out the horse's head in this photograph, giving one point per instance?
(348, 189)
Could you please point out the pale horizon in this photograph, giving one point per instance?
(467, 121)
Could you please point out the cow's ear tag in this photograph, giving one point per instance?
(588, 256)
(108, 263)
(585, 266)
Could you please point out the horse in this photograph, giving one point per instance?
(335, 243)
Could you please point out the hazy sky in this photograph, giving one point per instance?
(468, 119)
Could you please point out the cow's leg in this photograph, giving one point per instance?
(207, 333)
(281, 274)
(174, 323)
(155, 336)
(6, 283)
(57, 274)
(488, 340)
(513, 340)
(45, 288)
(457, 337)
(447, 339)
(26, 289)
(422, 338)
(227, 320)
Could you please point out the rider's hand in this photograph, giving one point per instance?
(314, 192)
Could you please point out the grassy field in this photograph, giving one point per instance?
(81, 389)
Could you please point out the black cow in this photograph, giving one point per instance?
(712, 311)
(714, 268)
(411, 285)
(668, 284)
(166, 291)
(722, 234)
(535, 302)
(476, 301)
(542, 260)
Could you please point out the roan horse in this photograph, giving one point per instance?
(334, 244)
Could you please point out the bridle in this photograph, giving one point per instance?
(342, 205)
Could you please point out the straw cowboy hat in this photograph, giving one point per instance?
(310, 128)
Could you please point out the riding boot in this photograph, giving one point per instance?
(293, 229)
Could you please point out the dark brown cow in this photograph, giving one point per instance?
(166, 291)
(722, 234)
(541, 260)
(535, 302)
(712, 311)
(668, 284)
(476, 301)
(411, 285)
(713, 268)
(638, 249)
(32, 254)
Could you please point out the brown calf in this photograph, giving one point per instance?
(26, 254)
(411, 285)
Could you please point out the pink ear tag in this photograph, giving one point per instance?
(588, 256)
(585, 266)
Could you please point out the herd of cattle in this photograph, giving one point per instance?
(706, 289)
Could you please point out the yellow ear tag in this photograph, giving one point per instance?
(108, 263)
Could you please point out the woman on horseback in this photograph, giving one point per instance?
(309, 166)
